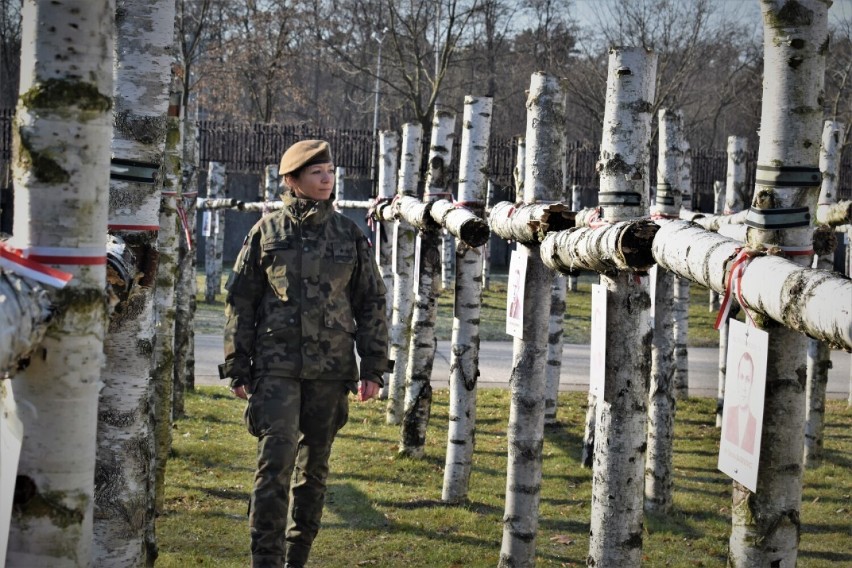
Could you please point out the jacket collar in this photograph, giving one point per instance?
(306, 210)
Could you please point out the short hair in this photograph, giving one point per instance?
(747, 358)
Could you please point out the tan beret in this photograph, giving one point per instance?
(304, 153)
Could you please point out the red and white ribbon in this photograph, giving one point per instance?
(181, 211)
(734, 285)
(19, 262)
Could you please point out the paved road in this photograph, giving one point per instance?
(495, 365)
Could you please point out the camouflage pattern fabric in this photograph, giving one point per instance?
(304, 291)
(295, 422)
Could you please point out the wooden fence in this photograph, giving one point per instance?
(249, 148)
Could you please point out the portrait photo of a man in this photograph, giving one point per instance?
(741, 421)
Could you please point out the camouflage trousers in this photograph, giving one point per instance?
(295, 422)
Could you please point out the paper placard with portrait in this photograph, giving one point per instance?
(11, 436)
(742, 413)
(515, 294)
(597, 349)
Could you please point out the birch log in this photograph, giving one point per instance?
(60, 160)
(661, 400)
(737, 196)
(520, 169)
(608, 249)
(270, 182)
(542, 182)
(464, 359)
(766, 524)
(680, 305)
(528, 223)
(214, 233)
(421, 352)
(619, 460)
(799, 298)
(212, 204)
(718, 209)
(164, 302)
(576, 205)
(185, 293)
(486, 248)
(124, 506)
(461, 222)
(388, 148)
(819, 353)
(23, 322)
(553, 365)
(403, 273)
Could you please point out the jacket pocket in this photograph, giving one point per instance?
(279, 258)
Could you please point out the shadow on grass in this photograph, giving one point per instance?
(357, 511)
(836, 558)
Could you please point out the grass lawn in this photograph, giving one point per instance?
(209, 318)
(385, 511)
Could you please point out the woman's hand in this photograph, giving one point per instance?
(367, 390)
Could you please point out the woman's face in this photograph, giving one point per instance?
(313, 182)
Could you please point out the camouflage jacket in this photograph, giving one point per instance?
(304, 294)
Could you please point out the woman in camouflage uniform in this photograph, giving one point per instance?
(305, 293)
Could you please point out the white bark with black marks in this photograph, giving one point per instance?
(23, 322)
(802, 299)
(766, 524)
(421, 352)
(403, 271)
(528, 223)
(619, 459)
(124, 506)
(737, 191)
(542, 182)
(60, 166)
(819, 353)
(464, 359)
(215, 237)
(383, 241)
(662, 405)
(608, 249)
(680, 305)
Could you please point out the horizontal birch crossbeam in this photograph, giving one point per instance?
(353, 204)
(461, 222)
(824, 238)
(834, 214)
(815, 302)
(23, 322)
(528, 223)
(204, 204)
(610, 248)
(260, 206)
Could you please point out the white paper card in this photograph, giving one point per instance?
(742, 413)
(515, 294)
(416, 277)
(11, 434)
(206, 224)
(597, 349)
(652, 274)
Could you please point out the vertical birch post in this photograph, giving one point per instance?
(819, 353)
(124, 505)
(403, 272)
(661, 400)
(525, 433)
(60, 161)
(388, 148)
(766, 524)
(718, 209)
(464, 359)
(164, 301)
(680, 307)
(737, 196)
(186, 287)
(576, 205)
(520, 168)
(619, 459)
(421, 351)
(486, 248)
(270, 183)
(339, 184)
(214, 233)
(553, 367)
